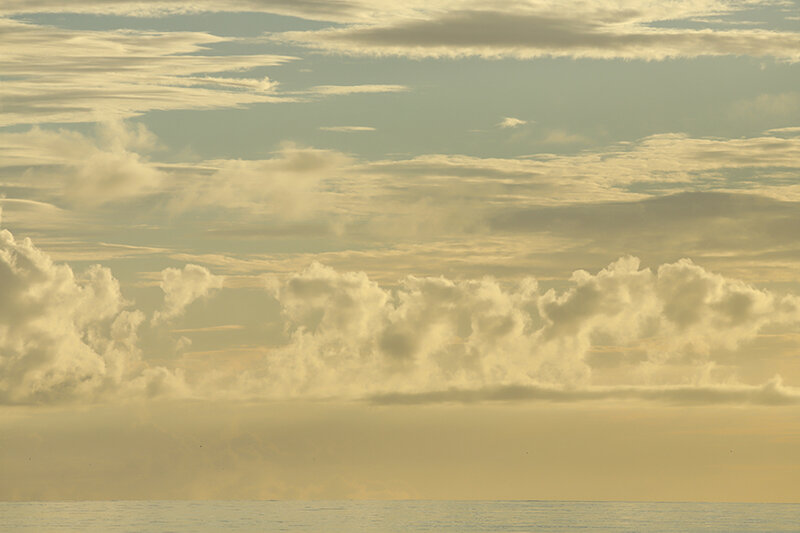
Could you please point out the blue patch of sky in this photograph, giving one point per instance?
(454, 106)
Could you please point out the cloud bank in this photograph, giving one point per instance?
(349, 335)
(539, 29)
(70, 338)
(66, 338)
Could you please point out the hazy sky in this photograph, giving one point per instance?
(421, 249)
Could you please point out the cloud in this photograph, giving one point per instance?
(562, 137)
(454, 28)
(750, 233)
(83, 170)
(67, 338)
(771, 393)
(541, 31)
(118, 74)
(182, 287)
(351, 337)
(337, 90)
(511, 122)
(290, 186)
(308, 191)
(102, 75)
(347, 129)
(666, 162)
(310, 9)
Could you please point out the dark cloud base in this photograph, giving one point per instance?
(771, 393)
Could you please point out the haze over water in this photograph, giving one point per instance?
(395, 516)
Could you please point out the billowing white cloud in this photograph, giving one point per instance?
(182, 287)
(350, 336)
(74, 338)
(65, 337)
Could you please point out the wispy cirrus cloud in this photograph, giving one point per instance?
(58, 75)
(340, 10)
(328, 90)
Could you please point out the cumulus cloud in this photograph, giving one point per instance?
(115, 164)
(65, 337)
(182, 287)
(349, 336)
(83, 170)
(511, 122)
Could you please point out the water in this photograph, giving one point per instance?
(393, 516)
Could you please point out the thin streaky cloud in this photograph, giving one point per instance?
(527, 35)
(772, 393)
(346, 129)
(210, 329)
(328, 90)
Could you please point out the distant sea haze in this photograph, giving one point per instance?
(393, 516)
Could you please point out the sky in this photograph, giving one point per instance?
(450, 249)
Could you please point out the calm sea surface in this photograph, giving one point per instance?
(394, 516)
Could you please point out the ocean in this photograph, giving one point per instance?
(392, 516)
